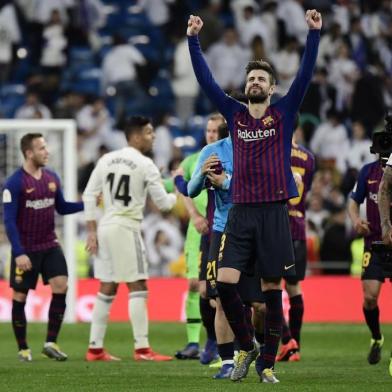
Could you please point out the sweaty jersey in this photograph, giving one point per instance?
(29, 206)
(303, 163)
(366, 188)
(124, 177)
(223, 198)
(261, 147)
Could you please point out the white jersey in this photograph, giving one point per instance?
(124, 177)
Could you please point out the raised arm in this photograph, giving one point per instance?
(225, 104)
(384, 205)
(304, 75)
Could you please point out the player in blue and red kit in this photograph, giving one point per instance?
(303, 165)
(30, 197)
(257, 235)
(372, 276)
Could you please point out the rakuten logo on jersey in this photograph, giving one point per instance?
(39, 204)
(258, 134)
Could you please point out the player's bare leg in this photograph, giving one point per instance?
(103, 302)
(137, 306)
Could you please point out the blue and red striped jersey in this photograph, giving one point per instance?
(29, 206)
(261, 147)
(303, 163)
(366, 188)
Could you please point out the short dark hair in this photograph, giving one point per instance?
(260, 64)
(135, 124)
(27, 141)
(223, 130)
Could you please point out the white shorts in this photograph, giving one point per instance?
(121, 255)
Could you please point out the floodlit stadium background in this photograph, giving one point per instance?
(97, 61)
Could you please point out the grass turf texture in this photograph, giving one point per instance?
(333, 359)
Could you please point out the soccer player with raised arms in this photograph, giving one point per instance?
(30, 197)
(257, 235)
(124, 177)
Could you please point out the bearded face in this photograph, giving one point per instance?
(258, 86)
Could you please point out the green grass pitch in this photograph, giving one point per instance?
(333, 359)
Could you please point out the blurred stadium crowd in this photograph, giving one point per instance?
(97, 61)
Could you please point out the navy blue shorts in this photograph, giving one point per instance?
(249, 287)
(49, 263)
(300, 254)
(257, 240)
(371, 267)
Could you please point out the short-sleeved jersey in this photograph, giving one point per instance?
(125, 177)
(261, 146)
(189, 165)
(303, 163)
(29, 206)
(366, 188)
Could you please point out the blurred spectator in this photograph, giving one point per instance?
(69, 104)
(286, 63)
(94, 127)
(119, 71)
(329, 45)
(163, 145)
(343, 75)
(212, 24)
(227, 60)
(250, 25)
(258, 49)
(330, 142)
(85, 170)
(53, 53)
(359, 148)
(9, 36)
(87, 17)
(320, 98)
(358, 43)
(316, 214)
(335, 247)
(184, 83)
(291, 12)
(164, 242)
(33, 108)
(158, 12)
(270, 21)
(367, 100)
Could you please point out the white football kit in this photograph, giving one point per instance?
(124, 177)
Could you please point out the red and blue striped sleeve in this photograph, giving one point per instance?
(11, 192)
(359, 192)
(225, 104)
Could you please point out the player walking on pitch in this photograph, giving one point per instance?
(124, 177)
(30, 197)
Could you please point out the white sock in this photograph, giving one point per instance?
(228, 362)
(137, 308)
(99, 320)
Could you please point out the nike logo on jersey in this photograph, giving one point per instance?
(241, 125)
(372, 181)
(286, 267)
(29, 190)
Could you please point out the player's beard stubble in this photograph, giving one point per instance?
(260, 97)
